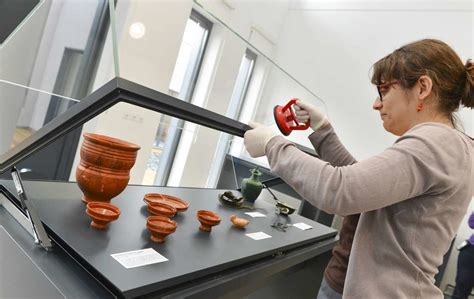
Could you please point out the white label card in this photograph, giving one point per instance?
(258, 236)
(302, 226)
(137, 258)
(255, 214)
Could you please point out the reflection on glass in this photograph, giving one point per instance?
(14, 16)
(30, 110)
(60, 48)
(156, 166)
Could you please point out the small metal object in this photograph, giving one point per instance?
(229, 199)
(279, 226)
(39, 233)
(282, 208)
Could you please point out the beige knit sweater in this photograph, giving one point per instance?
(412, 197)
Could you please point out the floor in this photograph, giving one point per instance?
(20, 135)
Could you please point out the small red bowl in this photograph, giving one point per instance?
(208, 219)
(160, 227)
(157, 208)
(102, 213)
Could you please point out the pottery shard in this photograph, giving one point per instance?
(239, 222)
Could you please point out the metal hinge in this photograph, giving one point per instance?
(39, 233)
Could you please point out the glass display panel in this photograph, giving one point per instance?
(26, 110)
(177, 47)
(62, 47)
(182, 49)
(172, 152)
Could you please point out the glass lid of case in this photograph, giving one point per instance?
(180, 48)
(185, 49)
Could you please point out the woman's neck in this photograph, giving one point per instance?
(434, 118)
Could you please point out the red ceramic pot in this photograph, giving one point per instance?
(160, 227)
(156, 208)
(104, 170)
(102, 213)
(207, 219)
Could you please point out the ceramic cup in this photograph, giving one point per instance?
(208, 219)
(102, 213)
(160, 227)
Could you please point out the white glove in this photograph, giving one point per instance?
(305, 112)
(256, 140)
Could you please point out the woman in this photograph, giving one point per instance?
(465, 272)
(413, 195)
(330, 149)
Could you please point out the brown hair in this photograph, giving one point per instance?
(453, 81)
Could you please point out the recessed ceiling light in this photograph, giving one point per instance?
(137, 30)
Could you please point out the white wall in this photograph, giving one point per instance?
(259, 22)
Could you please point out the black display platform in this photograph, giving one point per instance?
(19, 276)
(191, 253)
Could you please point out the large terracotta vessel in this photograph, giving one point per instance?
(104, 170)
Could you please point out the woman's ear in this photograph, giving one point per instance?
(425, 87)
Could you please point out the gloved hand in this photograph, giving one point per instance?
(305, 112)
(256, 140)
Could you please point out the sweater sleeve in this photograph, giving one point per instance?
(414, 165)
(329, 147)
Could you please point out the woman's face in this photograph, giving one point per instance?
(395, 107)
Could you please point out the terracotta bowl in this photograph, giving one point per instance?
(208, 219)
(157, 208)
(160, 227)
(102, 213)
(179, 204)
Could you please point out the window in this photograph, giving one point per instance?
(241, 84)
(235, 108)
(183, 81)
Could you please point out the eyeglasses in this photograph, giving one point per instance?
(384, 87)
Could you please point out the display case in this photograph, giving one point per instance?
(186, 103)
